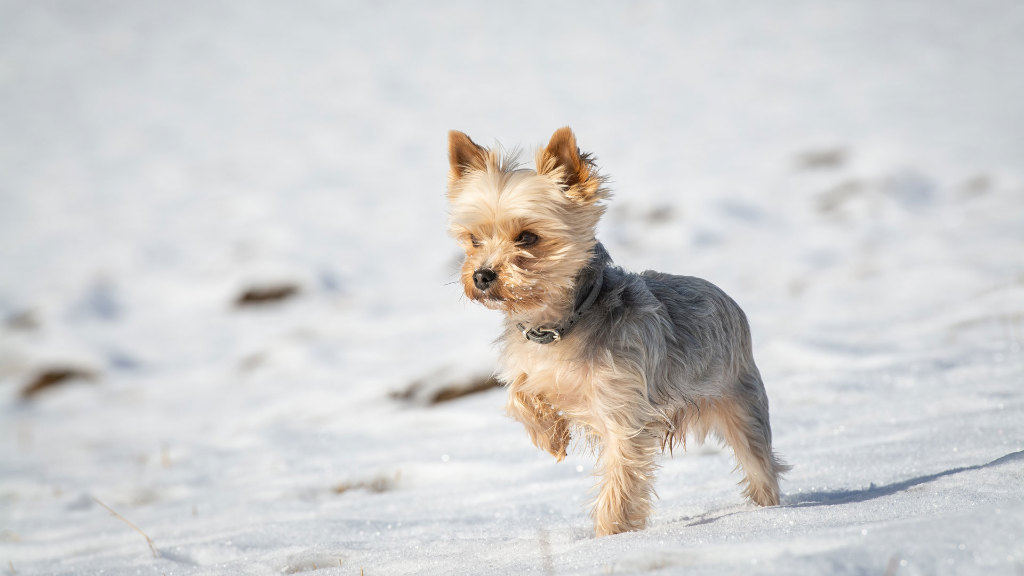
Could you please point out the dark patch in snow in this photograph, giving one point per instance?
(266, 294)
(910, 189)
(82, 502)
(822, 159)
(252, 361)
(122, 361)
(832, 200)
(329, 281)
(101, 301)
(660, 214)
(53, 377)
(741, 211)
(23, 320)
(706, 238)
(976, 186)
(444, 386)
(377, 484)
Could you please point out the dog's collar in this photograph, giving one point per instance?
(593, 275)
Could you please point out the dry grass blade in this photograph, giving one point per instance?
(152, 547)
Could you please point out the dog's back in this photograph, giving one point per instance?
(692, 339)
(693, 343)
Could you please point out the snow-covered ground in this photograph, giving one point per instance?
(850, 172)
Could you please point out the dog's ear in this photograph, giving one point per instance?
(463, 155)
(574, 169)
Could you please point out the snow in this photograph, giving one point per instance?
(849, 172)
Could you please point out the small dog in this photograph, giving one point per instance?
(631, 362)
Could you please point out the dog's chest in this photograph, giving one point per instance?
(551, 371)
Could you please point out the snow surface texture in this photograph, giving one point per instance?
(849, 172)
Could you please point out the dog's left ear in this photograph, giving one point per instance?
(563, 159)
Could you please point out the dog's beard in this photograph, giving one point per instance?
(492, 302)
(529, 298)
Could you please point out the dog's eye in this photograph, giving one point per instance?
(473, 240)
(526, 239)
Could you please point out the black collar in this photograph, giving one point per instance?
(588, 282)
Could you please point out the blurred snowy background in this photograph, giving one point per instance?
(223, 263)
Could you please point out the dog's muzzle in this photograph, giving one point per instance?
(484, 278)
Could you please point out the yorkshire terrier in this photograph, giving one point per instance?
(630, 362)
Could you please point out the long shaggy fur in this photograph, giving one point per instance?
(655, 358)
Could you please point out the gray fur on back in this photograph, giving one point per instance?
(690, 339)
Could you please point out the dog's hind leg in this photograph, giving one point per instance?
(742, 421)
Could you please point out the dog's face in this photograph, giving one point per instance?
(526, 233)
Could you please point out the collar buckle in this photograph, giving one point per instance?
(545, 334)
(540, 335)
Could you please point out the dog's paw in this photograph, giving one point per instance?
(554, 440)
(560, 438)
(559, 452)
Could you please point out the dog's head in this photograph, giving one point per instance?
(526, 233)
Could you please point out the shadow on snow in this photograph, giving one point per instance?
(836, 497)
(871, 492)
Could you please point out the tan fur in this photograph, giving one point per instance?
(565, 387)
(606, 401)
(547, 428)
(563, 160)
(726, 419)
(464, 154)
(494, 201)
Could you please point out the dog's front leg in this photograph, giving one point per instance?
(626, 463)
(548, 429)
(627, 470)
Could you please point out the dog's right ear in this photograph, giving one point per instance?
(463, 155)
(574, 169)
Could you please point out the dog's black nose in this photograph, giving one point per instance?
(483, 278)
